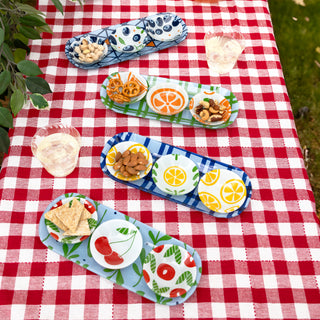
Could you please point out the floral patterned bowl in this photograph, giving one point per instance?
(128, 39)
(169, 270)
(116, 244)
(164, 26)
(175, 174)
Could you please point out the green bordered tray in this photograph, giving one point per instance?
(141, 109)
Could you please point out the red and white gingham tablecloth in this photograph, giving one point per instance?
(263, 264)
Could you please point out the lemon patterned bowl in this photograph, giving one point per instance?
(134, 148)
(222, 191)
(175, 174)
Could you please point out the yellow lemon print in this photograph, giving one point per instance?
(233, 191)
(210, 178)
(135, 148)
(110, 159)
(210, 201)
(174, 176)
(234, 208)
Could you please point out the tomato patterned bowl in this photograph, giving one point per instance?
(222, 191)
(175, 174)
(169, 270)
(167, 98)
(116, 244)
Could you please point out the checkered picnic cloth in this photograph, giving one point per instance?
(262, 264)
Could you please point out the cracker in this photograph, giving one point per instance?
(51, 215)
(82, 230)
(70, 217)
(79, 206)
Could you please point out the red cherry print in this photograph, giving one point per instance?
(165, 271)
(84, 238)
(158, 249)
(189, 262)
(177, 292)
(102, 246)
(89, 207)
(54, 236)
(113, 259)
(146, 276)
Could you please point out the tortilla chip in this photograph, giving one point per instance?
(70, 217)
(82, 230)
(79, 206)
(51, 215)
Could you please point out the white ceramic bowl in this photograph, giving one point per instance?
(129, 76)
(194, 102)
(169, 270)
(128, 39)
(164, 26)
(133, 147)
(116, 244)
(175, 174)
(222, 191)
(167, 98)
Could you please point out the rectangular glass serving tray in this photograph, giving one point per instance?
(130, 277)
(158, 149)
(114, 56)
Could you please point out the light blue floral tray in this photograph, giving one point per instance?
(114, 56)
(157, 149)
(130, 277)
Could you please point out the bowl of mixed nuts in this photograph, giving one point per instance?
(129, 161)
(210, 108)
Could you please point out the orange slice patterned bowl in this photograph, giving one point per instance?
(167, 98)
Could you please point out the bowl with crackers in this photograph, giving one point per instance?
(126, 87)
(71, 220)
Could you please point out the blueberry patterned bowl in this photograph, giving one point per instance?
(164, 26)
(128, 39)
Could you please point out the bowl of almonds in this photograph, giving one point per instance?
(129, 161)
(210, 108)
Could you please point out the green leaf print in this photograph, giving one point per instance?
(152, 237)
(73, 256)
(171, 251)
(92, 223)
(141, 293)
(136, 269)
(157, 289)
(165, 238)
(121, 41)
(123, 230)
(68, 239)
(65, 249)
(177, 255)
(75, 247)
(142, 255)
(51, 225)
(187, 275)
(119, 279)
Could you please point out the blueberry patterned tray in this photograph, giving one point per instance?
(158, 149)
(141, 109)
(130, 277)
(114, 56)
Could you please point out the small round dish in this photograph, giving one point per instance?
(57, 233)
(133, 147)
(88, 50)
(222, 191)
(164, 26)
(215, 116)
(169, 270)
(116, 244)
(121, 79)
(175, 174)
(167, 98)
(128, 39)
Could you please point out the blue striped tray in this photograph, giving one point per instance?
(114, 56)
(130, 277)
(157, 149)
(141, 109)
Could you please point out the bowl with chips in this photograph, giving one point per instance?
(126, 87)
(71, 220)
(129, 161)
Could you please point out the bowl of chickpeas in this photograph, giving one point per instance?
(88, 50)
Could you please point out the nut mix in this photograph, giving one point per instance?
(122, 92)
(129, 163)
(89, 52)
(210, 110)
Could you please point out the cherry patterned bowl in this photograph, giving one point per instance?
(169, 270)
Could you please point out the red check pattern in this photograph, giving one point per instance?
(263, 264)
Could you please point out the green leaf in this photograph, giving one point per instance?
(22, 38)
(29, 68)
(32, 20)
(92, 223)
(141, 293)
(68, 239)
(29, 32)
(17, 101)
(85, 266)
(152, 237)
(108, 270)
(73, 256)
(7, 52)
(29, 9)
(20, 45)
(39, 101)
(165, 238)
(4, 140)
(123, 230)
(206, 99)
(65, 250)
(21, 82)
(38, 85)
(6, 119)
(177, 255)
(44, 28)
(158, 290)
(1, 36)
(136, 269)
(142, 255)
(121, 41)
(187, 275)
(19, 55)
(75, 247)
(170, 251)
(51, 225)
(58, 5)
(119, 278)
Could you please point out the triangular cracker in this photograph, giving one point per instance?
(51, 215)
(70, 217)
(82, 230)
(79, 206)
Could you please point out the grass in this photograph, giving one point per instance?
(297, 32)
